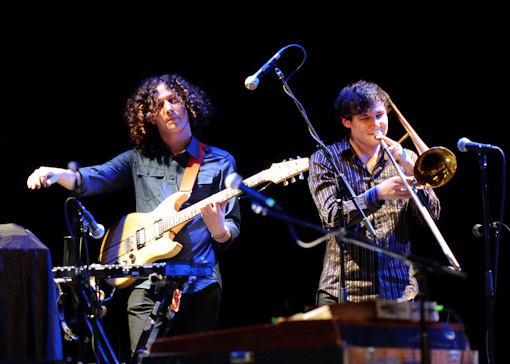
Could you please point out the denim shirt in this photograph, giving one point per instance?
(157, 177)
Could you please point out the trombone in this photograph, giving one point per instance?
(434, 167)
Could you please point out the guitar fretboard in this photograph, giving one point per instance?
(193, 211)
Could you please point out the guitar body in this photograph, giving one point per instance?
(143, 238)
(138, 239)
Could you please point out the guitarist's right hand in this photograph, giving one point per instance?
(47, 176)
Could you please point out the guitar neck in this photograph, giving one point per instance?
(193, 211)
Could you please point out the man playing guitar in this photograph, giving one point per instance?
(164, 117)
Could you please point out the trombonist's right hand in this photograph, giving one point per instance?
(47, 176)
(398, 153)
(393, 189)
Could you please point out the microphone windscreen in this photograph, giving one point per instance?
(233, 180)
(461, 144)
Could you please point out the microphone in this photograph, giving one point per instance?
(73, 166)
(477, 230)
(464, 144)
(252, 81)
(234, 180)
(95, 230)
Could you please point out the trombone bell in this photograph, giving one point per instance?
(435, 167)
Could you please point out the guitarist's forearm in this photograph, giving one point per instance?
(47, 176)
(69, 179)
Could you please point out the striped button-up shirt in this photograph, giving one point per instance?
(368, 274)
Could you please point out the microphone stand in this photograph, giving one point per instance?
(489, 279)
(343, 188)
(491, 265)
(86, 295)
(339, 176)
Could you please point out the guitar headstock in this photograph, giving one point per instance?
(282, 171)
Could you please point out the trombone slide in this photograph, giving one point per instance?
(424, 212)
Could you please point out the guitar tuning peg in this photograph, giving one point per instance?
(293, 180)
(301, 176)
(286, 182)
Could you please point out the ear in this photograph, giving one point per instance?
(346, 123)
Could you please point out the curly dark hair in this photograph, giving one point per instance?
(358, 97)
(143, 106)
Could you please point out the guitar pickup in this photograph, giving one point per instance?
(140, 238)
(159, 229)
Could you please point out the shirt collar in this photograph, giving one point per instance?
(346, 149)
(194, 147)
(348, 153)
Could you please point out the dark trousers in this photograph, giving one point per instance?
(198, 312)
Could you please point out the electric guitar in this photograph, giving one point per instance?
(145, 237)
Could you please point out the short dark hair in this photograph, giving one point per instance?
(358, 97)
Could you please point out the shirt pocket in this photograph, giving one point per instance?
(204, 188)
(151, 182)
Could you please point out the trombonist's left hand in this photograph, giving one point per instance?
(398, 154)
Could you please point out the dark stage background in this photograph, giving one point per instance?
(68, 68)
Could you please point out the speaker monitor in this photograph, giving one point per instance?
(29, 325)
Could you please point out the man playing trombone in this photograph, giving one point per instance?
(379, 190)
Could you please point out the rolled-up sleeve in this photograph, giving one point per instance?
(232, 210)
(113, 175)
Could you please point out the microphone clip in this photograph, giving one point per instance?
(94, 229)
(259, 209)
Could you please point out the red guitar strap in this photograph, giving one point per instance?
(191, 172)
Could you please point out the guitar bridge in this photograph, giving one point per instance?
(128, 244)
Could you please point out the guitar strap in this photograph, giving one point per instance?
(191, 172)
(187, 183)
